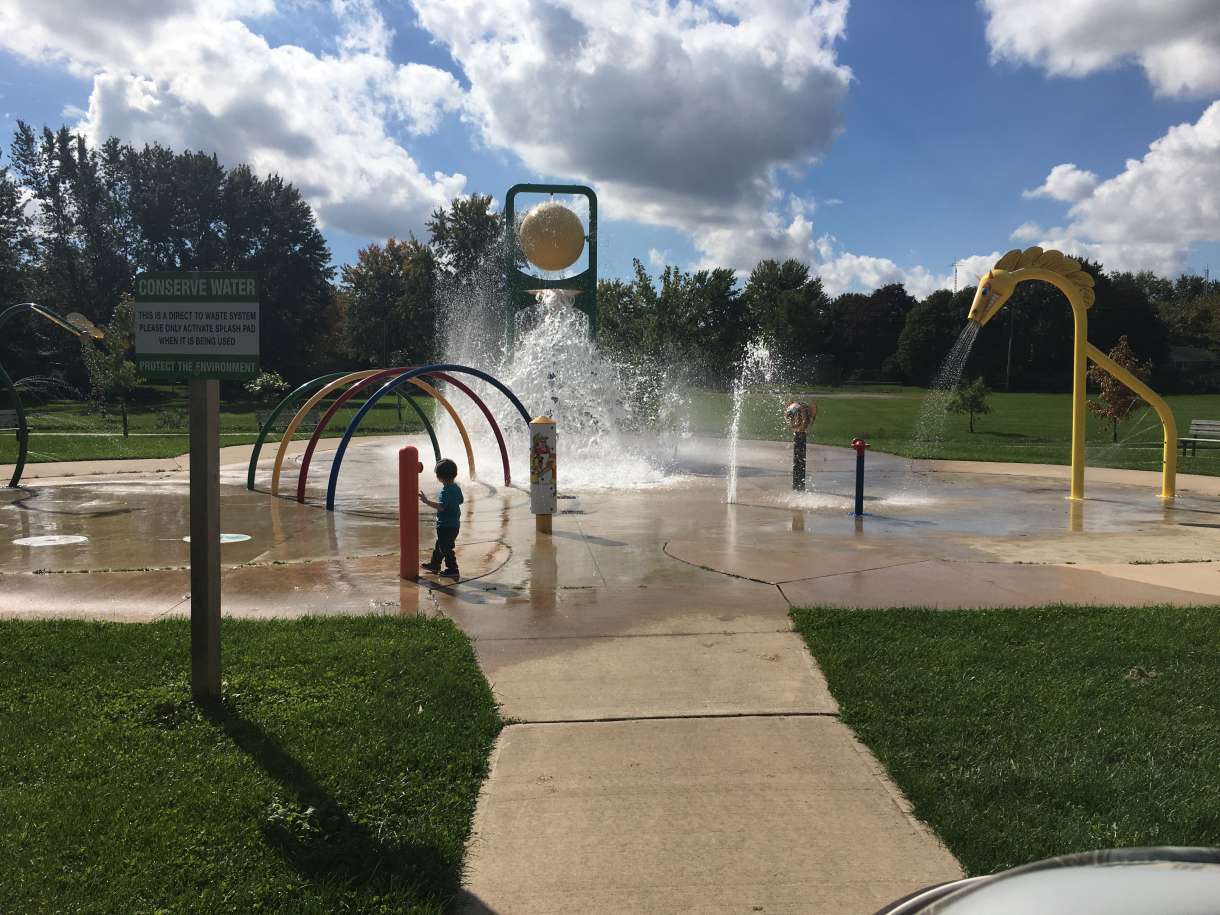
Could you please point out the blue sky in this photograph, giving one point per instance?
(878, 141)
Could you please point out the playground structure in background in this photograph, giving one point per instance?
(1064, 273)
(423, 378)
(77, 325)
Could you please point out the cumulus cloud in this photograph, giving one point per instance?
(1027, 231)
(681, 113)
(1177, 42)
(1149, 215)
(194, 74)
(841, 271)
(1065, 182)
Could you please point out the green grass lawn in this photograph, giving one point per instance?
(340, 774)
(69, 430)
(1023, 734)
(1024, 428)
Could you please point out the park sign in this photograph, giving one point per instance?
(197, 325)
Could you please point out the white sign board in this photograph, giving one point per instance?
(197, 325)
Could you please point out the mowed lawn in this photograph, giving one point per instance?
(70, 431)
(339, 775)
(1023, 428)
(1023, 734)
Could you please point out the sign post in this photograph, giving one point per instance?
(203, 327)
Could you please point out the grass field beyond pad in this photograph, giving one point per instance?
(1023, 734)
(339, 775)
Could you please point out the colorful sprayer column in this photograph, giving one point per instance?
(543, 493)
(800, 417)
(1066, 275)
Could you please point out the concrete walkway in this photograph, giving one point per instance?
(674, 748)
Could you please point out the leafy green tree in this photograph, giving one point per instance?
(16, 242)
(718, 320)
(268, 228)
(788, 307)
(1191, 312)
(466, 237)
(81, 218)
(104, 213)
(113, 376)
(1123, 309)
(930, 330)
(1115, 401)
(863, 330)
(390, 293)
(971, 399)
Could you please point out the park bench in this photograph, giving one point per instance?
(1201, 430)
(308, 423)
(8, 421)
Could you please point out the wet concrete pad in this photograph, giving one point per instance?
(543, 609)
(695, 816)
(785, 559)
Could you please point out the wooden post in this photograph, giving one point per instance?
(205, 540)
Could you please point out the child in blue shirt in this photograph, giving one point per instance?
(448, 520)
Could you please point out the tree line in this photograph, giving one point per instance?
(78, 222)
(704, 319)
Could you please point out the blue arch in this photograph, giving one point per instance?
(389, 386)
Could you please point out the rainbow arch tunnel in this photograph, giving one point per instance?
(392, 385)
(303, 477)
(326, 389)
(317, 389)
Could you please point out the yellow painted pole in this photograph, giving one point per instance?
(1080, 367)
(299, 416)
(1169, 423)
(1065, 274)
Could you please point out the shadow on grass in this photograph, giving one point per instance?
(319, 839)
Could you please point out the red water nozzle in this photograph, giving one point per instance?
(859, 444)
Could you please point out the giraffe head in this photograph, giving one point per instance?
(993, 291)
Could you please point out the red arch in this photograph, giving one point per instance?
(303, 476)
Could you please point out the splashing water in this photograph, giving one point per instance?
(619, 425)
(930, 427)
(757, 366)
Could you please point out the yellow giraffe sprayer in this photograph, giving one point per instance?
(1065, 274)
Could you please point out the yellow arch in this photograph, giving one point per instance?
(1065, 274)
(352, 378)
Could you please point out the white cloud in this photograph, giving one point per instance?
(657, 258)
(1149, 215)
(1065, 182)
(1177, 42)
(681, 113)
(841, 271)
(1027, 231)
(193, 74)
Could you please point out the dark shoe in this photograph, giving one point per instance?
(430, 567)
(451, 573)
